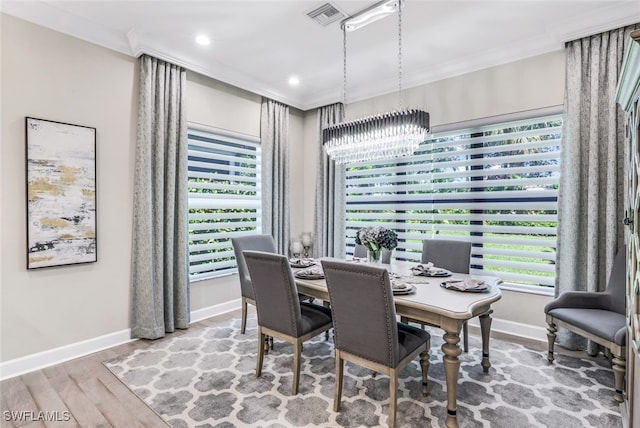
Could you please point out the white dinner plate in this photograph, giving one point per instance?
(408, 290)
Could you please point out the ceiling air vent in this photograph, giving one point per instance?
(326, 14)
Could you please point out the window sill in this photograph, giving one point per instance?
(542, 291)
(221, 275)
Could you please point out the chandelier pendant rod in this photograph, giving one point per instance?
(344, 67)
(400, 56)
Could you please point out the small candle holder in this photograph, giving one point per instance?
(296, 249)
(307, 241)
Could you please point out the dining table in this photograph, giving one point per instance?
(431, 303)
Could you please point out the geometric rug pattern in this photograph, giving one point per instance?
(205, 378)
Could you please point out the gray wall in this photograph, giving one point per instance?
(52, 76)
(49, 75)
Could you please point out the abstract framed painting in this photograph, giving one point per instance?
(61, 194)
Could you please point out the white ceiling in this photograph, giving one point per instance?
(258, 45)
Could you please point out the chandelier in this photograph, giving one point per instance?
(383, 136)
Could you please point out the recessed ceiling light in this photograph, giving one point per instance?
(293, 81)
(203, 40)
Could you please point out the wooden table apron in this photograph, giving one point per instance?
(446, 309)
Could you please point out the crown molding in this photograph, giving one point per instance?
(617, 16)
(131, 43)
(226, 75)
(46, 14)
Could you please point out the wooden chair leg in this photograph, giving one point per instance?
(297, 350)
(393, 397)
(619, 371)
(424, 364)
(261, 338)
(465, 336)
(337, 394)
(243, 326)
(551, 338)
(326, 333)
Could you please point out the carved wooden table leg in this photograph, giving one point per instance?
(451, 351)
(485, 330)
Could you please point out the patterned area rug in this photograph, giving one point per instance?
(206, 378)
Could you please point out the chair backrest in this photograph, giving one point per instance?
(616, 286)
(447, 254)
(361, 251)
(364, 315)
(255, 243)
(275, 292)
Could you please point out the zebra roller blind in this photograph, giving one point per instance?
(224, 198)
(495, 185)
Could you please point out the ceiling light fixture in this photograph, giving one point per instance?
(384, 136)
(203, 40)
(294, 81)
(370, 14)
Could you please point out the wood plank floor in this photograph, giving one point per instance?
(83, 393)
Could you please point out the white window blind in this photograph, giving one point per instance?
(495, 185)
(224, 198)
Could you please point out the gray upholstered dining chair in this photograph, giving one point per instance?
(249, 242)
(360, 251)
(280, 312)
(368, 334)
(597, 316)
(451, 255)
(447, 254)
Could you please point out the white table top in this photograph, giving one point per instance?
(452, 303)
(431, 297)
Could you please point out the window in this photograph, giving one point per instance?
(224, 198)
(495, 185)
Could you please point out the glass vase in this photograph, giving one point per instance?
(373, 256)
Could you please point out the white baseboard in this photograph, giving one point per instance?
(219, 309)
(526, 331)
(40, 360)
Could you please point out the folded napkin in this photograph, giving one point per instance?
(301, 262)
(398, 285)
(314, 272)
(467, 284)
(428, 269)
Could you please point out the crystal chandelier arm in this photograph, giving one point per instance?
(383, 136)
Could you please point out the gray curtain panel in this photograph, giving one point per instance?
(274, 140)
(160, 257)
(591, 200)
(329, 221)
